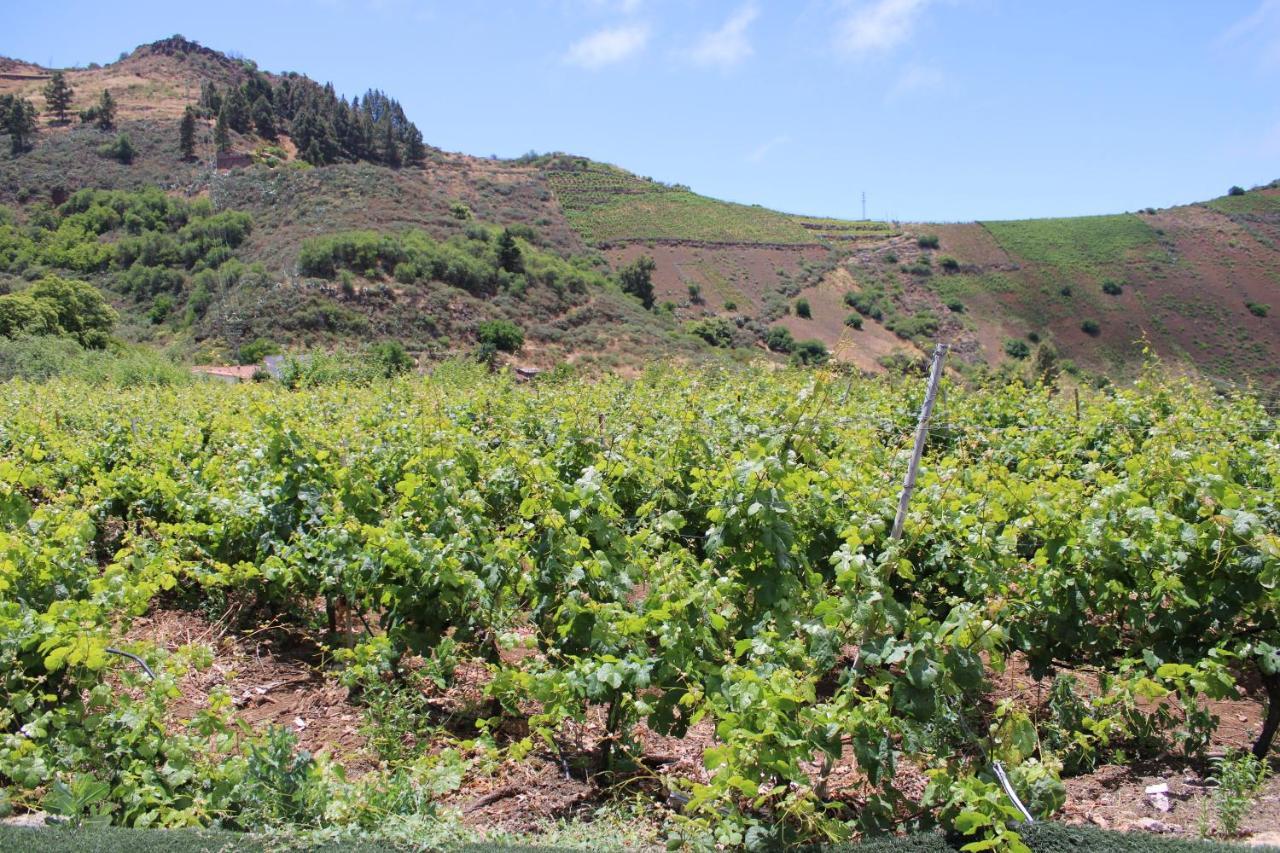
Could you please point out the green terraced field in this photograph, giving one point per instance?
(1076, 246)
(607, 204)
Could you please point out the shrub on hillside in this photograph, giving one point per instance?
(865, 304)
(636, 279)
(949, 264)
(910, 326)
(120, 149)
(255, 351)
(1112, 288)
(1258, 309)
(955, 306)
(58, 306)
(502, 335)
(716, 331)
(1015, 348)
(779, 339)
(1091, 327)
(809, 353)
(803, 310)
(853, 321)
(928, 241)
(1236, 190)
(390, 358)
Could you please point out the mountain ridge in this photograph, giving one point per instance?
(1186, 282)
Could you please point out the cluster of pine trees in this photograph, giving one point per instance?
(324, 127)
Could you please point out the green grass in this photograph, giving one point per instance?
(605, 204)
(1249, 203)
(1076, 246)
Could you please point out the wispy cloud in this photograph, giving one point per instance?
(1258, 31)
(728, 45)
(608, 46)
(760, 152)
(915, 79)
(626, 7)
(878, 26)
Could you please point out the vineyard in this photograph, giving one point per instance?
(690, 560)
(605, 203)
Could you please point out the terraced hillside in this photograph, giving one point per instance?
(1198, 285)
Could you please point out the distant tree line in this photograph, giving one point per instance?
(325, 128)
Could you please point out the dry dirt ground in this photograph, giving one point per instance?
(277, 679)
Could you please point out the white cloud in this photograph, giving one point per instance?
(757, 154)
(917, 78)
(608, 46)
(878, 26)
(728, 45)
(1258, 31)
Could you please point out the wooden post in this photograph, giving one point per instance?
(1076, 391)
(922, 433)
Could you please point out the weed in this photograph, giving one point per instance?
(1240, 777)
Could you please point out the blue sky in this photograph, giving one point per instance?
(938, 109)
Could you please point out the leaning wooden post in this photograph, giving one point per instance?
(922, 433)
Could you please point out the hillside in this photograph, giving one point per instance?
(1194, 284)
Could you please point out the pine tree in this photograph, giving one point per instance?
(57, 95)
(414, 151)
(509, 256)
(264, 119)
(237, 109)
(210, 98)
(390, 149)
(222, 131)
(106, 113)
(187, 134)
(18, 119)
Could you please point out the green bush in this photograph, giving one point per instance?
(716, 331)
(1015, 348)
(853, 321)
(810, 352)
(502, 335)
(730, 305)
(779, 339)
(910, 326)
(928, 241)
(255, 351)
(38, 359)
(636, 278)
(1236, 190)
(949, 264)
(1258, 309)
(1091, 327)
(390, 358)
(865, 304)
(120, 149)
(161, 308)
(803, 310)
(58, 306)
(1112, 288)
(955, 306)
